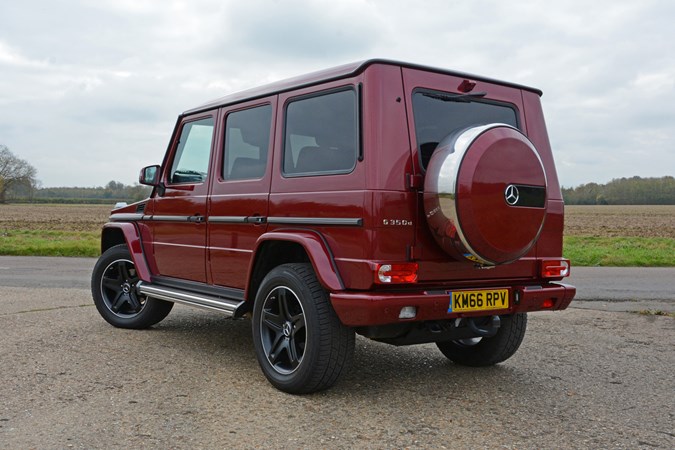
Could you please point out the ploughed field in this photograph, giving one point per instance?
(53, 217)
(605, 221)
(643, 221)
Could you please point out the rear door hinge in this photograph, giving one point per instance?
(415, 182)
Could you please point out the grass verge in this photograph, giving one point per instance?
(582, 250)
(620, 251)
(49, 243)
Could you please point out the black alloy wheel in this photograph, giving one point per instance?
(114, 284)
(300, 343)
(283, 330)
(118, 289)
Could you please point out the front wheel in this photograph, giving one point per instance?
(113, 286)
(300, 344)
(477, 352)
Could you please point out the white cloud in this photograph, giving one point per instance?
(90, 90)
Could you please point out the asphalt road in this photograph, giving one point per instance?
(605, 288)
(582, 379)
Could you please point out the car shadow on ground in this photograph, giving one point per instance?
(377, 368)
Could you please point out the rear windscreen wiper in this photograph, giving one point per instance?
(466, 98)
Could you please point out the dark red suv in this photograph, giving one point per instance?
(407, 204)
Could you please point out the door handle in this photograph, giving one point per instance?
(256, 219)
(198, 218)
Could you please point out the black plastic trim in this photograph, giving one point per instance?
(228, 219)
(359, 120)
(337, 221)
(127, 217)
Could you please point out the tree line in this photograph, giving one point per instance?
(112, 192)
(623, 191)
(18, 183)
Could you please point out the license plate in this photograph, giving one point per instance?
(487, 300)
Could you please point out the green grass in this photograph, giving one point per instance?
(582, 250)
(49, 243)
(620, 251)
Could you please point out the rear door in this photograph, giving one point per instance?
(179, 215)
(238, 205)
(433, 115)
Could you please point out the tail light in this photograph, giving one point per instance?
(396, 273)
(555, 268)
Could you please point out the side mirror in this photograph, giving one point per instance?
(149, 175)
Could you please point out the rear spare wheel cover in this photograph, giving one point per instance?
(485, 194)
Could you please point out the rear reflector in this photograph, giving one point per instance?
(396, 273)
(555, 268)
(547, 303)
(408, 312)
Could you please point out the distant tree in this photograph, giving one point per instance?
(114, 185)
(14, 171)
(624, 191)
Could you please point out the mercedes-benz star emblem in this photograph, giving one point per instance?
(511, 194)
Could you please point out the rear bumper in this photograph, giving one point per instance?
(381, 308)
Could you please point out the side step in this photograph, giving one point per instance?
(229, 307)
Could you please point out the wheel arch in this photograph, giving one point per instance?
(126, 233)
(289, 246)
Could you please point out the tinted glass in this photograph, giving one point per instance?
(435, 118)
(191, 163)
(321, 134)
(247, 138)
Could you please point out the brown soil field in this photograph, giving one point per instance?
(624, 221)
(53, 217)
(620, 221)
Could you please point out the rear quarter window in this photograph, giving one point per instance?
(320, 136)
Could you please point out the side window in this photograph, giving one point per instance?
(191, 162)
(247, 139)
(321, 135)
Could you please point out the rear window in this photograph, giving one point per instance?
(438, 114)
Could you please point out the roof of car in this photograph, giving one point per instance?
(334, 73)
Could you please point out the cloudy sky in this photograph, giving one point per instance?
(90, 89)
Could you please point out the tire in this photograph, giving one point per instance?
(478, 352)
(301, 345)
(113, 287)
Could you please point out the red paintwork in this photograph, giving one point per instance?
(231, 245)
(318, 252)
(179, 248)
(367, 309)
(498, 158)
(378, 191)
(133, 240)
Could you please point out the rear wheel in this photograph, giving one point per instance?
(300, 344)
(488, 351)
(113, 286)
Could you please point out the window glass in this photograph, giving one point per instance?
(191, 163)
(247, 138)
(436, 116)
(321, 135)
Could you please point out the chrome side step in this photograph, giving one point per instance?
(229, 307)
